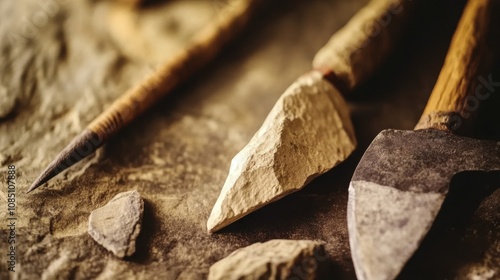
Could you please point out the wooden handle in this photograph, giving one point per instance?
(354, 52)
(465, 79)
(206, 44)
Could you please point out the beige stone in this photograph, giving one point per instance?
(306, 134)
(275, 259)
(117, 224)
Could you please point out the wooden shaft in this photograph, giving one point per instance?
(458, 91)
(206, 44)
(354, 52)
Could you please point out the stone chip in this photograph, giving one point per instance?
(274, 259)
(117, 224)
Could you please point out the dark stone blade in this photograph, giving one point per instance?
(398, 189)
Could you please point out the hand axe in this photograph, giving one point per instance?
(402, 179)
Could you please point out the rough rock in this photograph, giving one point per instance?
(306, 133)
(117, 224)
(275, 259)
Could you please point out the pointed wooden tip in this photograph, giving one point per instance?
(82, 146)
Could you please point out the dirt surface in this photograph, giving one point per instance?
(63, 62)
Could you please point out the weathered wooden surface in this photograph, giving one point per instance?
(65, 68)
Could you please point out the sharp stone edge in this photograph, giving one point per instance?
(368, 203)
(307, 133)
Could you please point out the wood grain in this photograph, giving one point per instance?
(161, 81)
(456, 97)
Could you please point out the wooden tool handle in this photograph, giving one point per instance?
(354, 52)
(463, 81)
(206, 44)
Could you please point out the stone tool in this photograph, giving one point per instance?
(202, 49)
(403, 178)
(309, 131)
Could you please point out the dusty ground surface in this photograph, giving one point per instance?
(63, 62)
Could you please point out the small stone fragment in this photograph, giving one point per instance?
(275, 259)
(307, 133)
(7, 102)
(117, 224)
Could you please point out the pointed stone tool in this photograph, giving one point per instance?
(309, 131)
(205, 45)
(404, 176)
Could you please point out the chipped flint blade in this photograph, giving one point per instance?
(288, 151)
(397, 191)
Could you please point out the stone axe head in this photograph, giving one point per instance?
(401, 181)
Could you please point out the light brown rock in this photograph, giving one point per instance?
(275, 259)
(306, 134)
(117, 224)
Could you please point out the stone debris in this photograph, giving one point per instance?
(275, 259)
(117, 224)
(307, 133)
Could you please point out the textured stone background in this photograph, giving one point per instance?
(63, 62)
